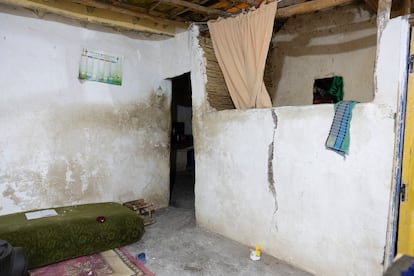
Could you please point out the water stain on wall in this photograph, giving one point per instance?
(18, 186)
(10, 194)
(215, 123)
(88, 152)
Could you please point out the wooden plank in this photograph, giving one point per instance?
(238, 8)
(372, 4)
(405, 7)
(383, 16)
(187, 9)
(195, 7)
(100, 5)
(98, 16)
(153, 13)
(310, 6)
(154, 5)
(221, 5)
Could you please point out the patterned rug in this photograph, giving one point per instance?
(112, 262)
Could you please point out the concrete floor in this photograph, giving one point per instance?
(174, 245)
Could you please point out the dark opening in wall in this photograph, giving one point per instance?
(328, 90)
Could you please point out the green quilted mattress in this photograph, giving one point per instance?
(76, 231)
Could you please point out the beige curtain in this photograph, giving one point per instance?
(241, 45)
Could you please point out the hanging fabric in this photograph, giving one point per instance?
(241, 45)
(339, 134)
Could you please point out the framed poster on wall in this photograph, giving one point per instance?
(100, 66)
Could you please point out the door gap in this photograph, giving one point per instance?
(182, 165)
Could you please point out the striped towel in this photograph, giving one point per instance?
(338, 139)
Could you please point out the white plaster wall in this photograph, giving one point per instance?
(176, 55)
(328, 214)
(65, 141)
(339, 42)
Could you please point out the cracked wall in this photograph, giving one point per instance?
(65, 141)
(332, 213)
(270, 174)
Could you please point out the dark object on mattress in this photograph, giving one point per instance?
(12, 260)
(73, 232)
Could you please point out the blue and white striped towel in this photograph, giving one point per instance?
(338, 139)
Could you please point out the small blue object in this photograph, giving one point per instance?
(409, 272)
(141, 257)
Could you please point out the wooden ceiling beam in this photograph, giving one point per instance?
(181, 12)
(238, 8)
(372, 4)
(187, 9)
(310, 6)
(400, 8)
(143, 10)
(406, 7)
(221, 5)
(126, 16)
(154, 5)
(195, 7)
(97, 16)
(383, 16)
(100, 5)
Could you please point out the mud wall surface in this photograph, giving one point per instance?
(339, 42)
(64, 141)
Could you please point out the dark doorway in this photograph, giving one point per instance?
(328, 90)
(182, 148)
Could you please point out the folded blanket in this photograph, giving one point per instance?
(338, 139)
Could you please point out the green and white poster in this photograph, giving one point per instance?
(101, 67)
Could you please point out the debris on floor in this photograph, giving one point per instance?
(143, 209)
(176, 246)
(256, 253)
(142, 258)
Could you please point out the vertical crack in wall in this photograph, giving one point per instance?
(270, 175)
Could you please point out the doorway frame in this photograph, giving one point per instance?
(173, 110)
(392, 228)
